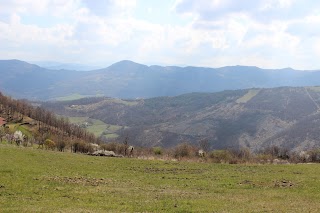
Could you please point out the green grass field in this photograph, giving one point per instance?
(33, 180)
(17, 126)
(97, 127)
(70, 97)
(247, 97)
(75, 96)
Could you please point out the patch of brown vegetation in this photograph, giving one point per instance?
(79, 180)
(277, 184)
(173, 170)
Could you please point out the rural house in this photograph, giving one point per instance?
(2, 122)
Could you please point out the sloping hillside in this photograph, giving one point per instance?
(34, 180)
(27, 125)
(27, 81)
(253, 118)
(127, 79)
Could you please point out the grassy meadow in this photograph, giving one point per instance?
(75, 96)
(97, 127)
(247, 97)
(35, 180)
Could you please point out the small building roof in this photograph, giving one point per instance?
(2, 121)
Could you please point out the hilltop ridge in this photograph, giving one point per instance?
(127, 79)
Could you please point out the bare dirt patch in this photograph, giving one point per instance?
(173, 170)
(283, 183)
(79, 180)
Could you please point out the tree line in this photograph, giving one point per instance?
(47, 122)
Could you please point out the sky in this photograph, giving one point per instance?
(210, 33)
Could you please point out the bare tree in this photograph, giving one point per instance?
(126, 144)
(204, 144)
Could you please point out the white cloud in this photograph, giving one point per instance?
(259, 10)
(271, 33)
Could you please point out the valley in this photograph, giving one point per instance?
(251, 118)
(97, 127)
(159, 106)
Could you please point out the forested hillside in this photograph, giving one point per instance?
(28, 125)
(254, 118)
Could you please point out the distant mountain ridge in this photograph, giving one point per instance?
(127, 79)
(64, 66)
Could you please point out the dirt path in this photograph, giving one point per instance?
(315, 103)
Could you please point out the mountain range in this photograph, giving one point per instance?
(288, 117)
(127, 79)
(53, 65)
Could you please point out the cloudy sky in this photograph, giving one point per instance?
(214, 33)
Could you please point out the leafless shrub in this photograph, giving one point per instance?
(204, 145)
(221, 156)
(81, 146)
(241, 155)
(315, 155)
(277, 152)
(117, 148)
(61, 144)
(184, 150)
(263, 158)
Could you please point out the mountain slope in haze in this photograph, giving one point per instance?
(23, 80)
(52, 65)
(252, 118)
(127, 79)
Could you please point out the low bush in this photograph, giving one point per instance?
(49, 144)
(81, 146)
(241, 155)
(61, 144)
(157, 150)
(314, 155)
(277, 152)
(221, 156)
(264, 158)
(113, 146)
(184, 150)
